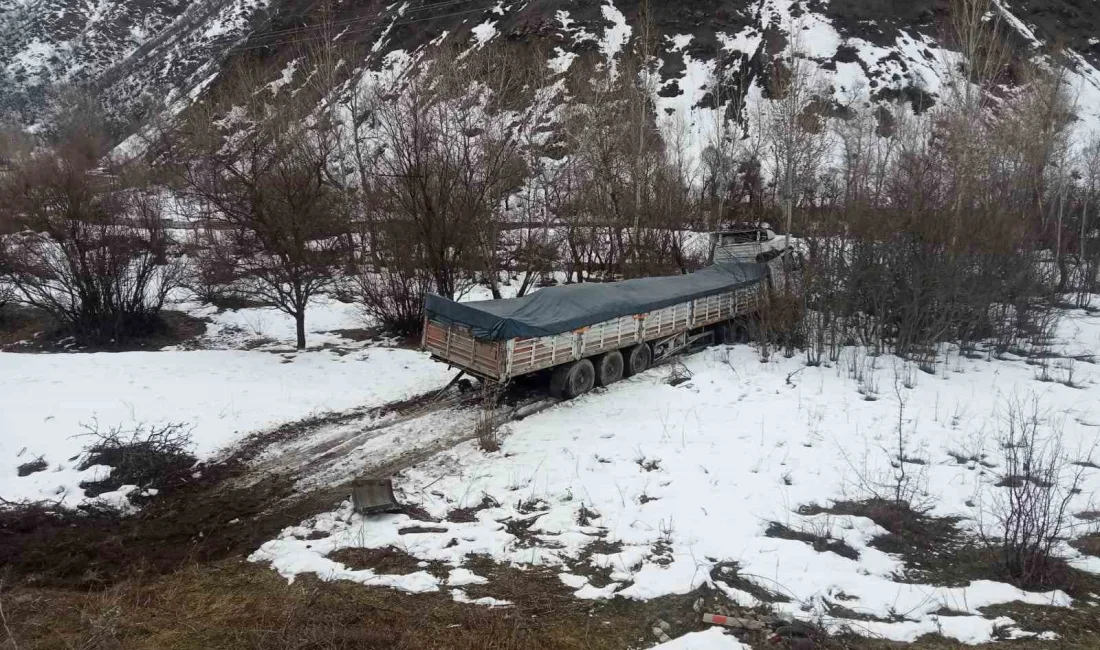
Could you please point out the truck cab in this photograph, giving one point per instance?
(745, 244)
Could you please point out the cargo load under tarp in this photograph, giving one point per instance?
(554, 310)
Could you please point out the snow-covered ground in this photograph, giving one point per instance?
(223, 393)
(687, 477)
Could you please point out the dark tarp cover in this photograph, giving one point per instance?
(563, 308)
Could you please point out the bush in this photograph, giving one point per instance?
(213, 271)
(153, 457)
(88, 250)
(486, 429)
(393, 290)
(1028, 513)
(33, 466)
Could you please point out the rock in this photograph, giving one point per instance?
(665, 627)
(697, 605)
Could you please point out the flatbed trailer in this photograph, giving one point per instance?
(502, 339)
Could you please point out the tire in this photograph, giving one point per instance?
(573, 379)
(724, 334)
(739, 332)
(638, 359)
(609, 368)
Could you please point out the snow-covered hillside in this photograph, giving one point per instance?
(165, 53)
(129, 52)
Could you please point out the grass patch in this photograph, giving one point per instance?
(1088, 544)
(386, 560)
(469, 515)
(933, 549)
(25, 329)
(32, 467)
(730, 573)
(820, 543)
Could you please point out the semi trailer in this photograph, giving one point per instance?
(593, 334)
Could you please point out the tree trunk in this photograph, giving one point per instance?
(300, 327)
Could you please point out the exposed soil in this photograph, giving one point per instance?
(382, 560)
(206, 514)
(24, 329)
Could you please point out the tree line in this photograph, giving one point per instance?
(963, 221)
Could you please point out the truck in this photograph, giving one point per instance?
(594, 334)
(748, 243)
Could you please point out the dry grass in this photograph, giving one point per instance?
(236, 604)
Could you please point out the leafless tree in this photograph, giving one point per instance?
(1090, 203)
(795, 127)
(87, 245)
(257, 166)
(448, 155)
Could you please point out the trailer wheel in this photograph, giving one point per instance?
(609, 368)
(737, 332)
(572, 380)
(638, 359)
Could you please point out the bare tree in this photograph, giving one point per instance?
(257, 165)
(448, 155)
(795, 127)
(1090, 202)
(88, 246)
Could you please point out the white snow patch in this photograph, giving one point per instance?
(484, 32)
(680, 41)
(486, 601)
(463, 577)
(562, 59)
(286, 77)
(222, 394)
(711, 639)
(615, 36)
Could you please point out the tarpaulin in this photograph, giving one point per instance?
(563, 308)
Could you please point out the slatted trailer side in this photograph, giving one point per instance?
(456, 345)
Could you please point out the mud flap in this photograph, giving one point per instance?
(372, 496)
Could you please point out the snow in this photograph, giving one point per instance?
(463, 577)
(486, 601)
(745, 41)
(617, 35)
(247, 378)
(719, 458)
(679, 42)
(286, 77)
(561, 60)
(269, 328)
(222, 394)
(710, 639)
(577, 34)
(679, 113)
(484, 32)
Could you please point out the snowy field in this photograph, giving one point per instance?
(222, 392)
(678, 481)
(684, 479)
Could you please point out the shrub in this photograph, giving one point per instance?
(1028, 513)
(148, 457)
(87, 249)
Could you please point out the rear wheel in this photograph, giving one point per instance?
(609, 368)
(738, 332)
(638, 359)
(573, 379)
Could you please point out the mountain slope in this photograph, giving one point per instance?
(138, 52)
